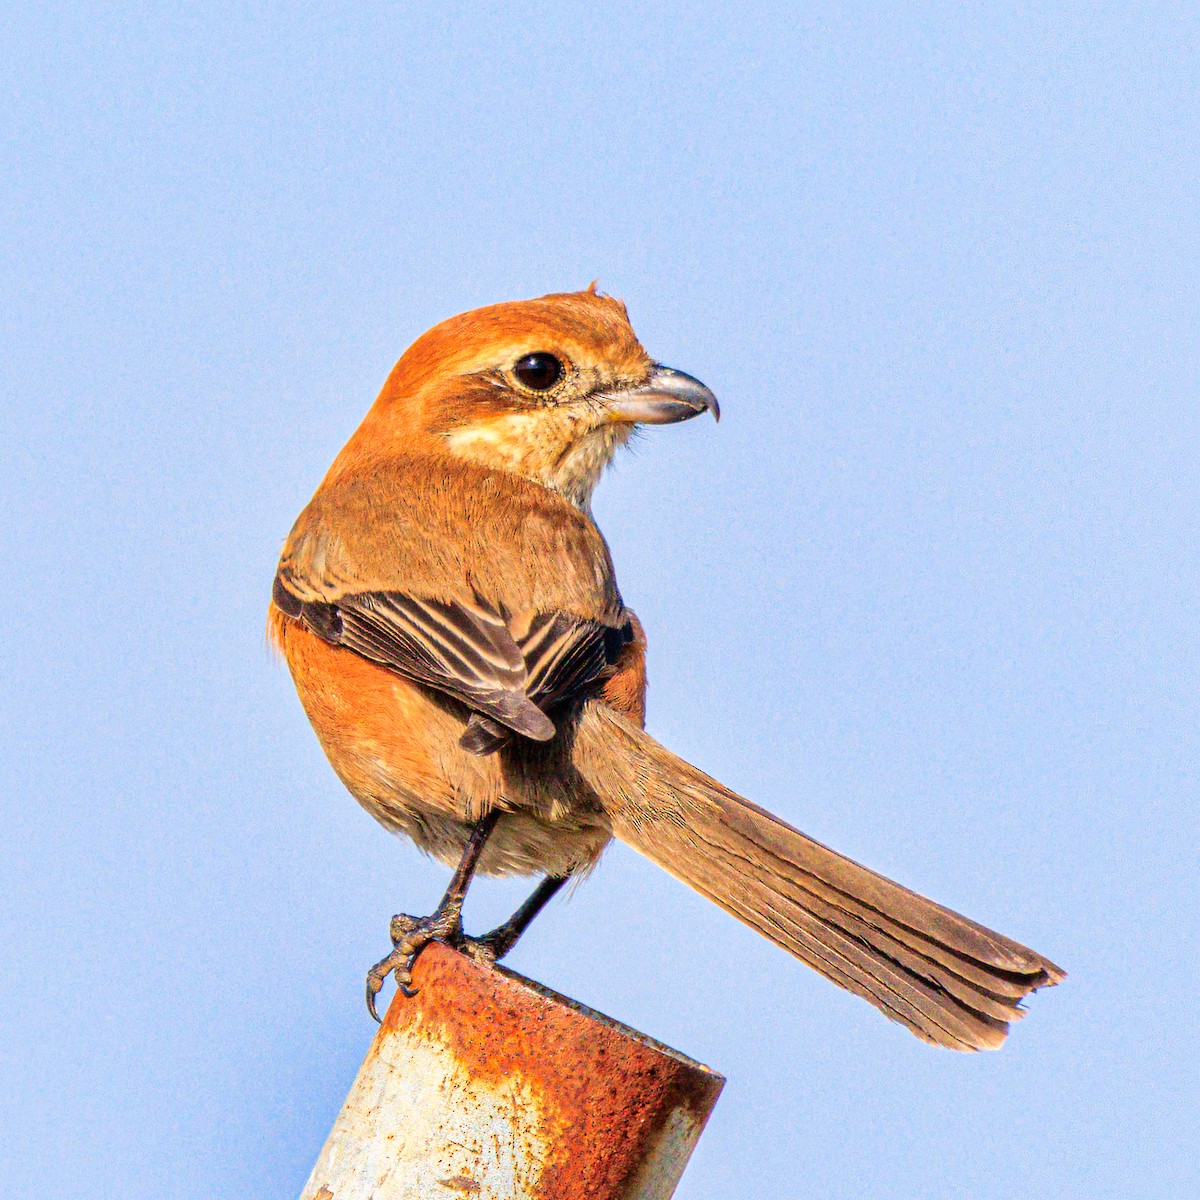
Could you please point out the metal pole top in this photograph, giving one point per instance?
(489, 1086)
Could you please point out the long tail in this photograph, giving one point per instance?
(952, 982)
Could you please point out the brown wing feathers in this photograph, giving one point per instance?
(560, 651)
(563, 655)
(469, 652)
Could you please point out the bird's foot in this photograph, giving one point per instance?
(491, 947)
(410, 935)
(485, 950)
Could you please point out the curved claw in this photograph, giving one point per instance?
(375, 978)
(410, 935)
(395, 962)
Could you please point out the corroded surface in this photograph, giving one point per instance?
(488, 1086)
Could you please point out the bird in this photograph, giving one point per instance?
(449, 613)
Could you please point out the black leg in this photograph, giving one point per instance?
(495, 945)
(410, 935)
(456, 890)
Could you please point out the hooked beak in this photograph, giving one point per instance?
(666, 397)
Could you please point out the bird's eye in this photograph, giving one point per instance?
(538, 371)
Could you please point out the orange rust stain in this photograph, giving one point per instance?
(609, 1093)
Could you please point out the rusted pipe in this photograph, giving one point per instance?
(488, 1086)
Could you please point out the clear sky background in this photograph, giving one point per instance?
(929, 591)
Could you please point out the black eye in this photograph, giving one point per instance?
(538, 371)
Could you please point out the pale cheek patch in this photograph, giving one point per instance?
(564, 451)
(501, 442)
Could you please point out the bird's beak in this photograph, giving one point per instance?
(666, 397)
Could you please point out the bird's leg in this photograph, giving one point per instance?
(410, 935)
(495, 945)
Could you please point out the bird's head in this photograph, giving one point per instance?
(547, 389)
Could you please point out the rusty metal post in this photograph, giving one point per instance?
(488, 1086)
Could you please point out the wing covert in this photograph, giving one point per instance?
(507, 675)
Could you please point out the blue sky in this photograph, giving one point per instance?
(928, 591)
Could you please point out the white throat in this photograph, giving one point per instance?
(555, 449)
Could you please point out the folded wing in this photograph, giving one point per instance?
(509, 673)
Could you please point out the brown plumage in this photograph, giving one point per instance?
(450, 615)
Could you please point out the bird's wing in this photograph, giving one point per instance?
(469, 652)
(464, 651)
(375, 579)
(564, 655)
